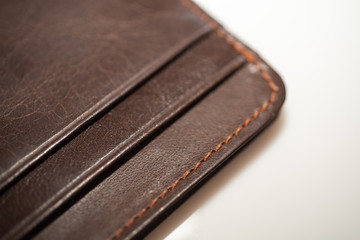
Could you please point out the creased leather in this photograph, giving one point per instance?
(164, 160)
(74, 165)
(62, 62)
(154, 96)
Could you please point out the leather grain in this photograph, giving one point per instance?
(159, 164)
(117, 133)
(112, 112)
(62, 62)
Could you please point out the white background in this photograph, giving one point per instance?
(300, 179)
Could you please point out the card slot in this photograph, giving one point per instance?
(107, 141)
(142, 191)
(60, 71)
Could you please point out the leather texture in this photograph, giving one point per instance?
(66, 61)
(113, 112)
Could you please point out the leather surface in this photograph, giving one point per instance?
(114, 135)
(138, 149)
(164, 160)
(62, 62)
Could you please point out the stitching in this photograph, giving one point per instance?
(250, 58)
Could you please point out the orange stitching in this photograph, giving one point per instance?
(251, 58)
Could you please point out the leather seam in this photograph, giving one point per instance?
(251, 59)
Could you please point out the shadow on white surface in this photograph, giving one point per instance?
(231, 169)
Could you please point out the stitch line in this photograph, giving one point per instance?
(251, 59)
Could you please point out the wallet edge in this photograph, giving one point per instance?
(275, 99)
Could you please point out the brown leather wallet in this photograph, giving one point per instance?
(112, 112)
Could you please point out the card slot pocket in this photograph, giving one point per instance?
(63, 175)
(58, 77)
(142, 191)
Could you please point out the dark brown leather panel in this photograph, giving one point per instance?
(121, 198)
(55, 180)
(64, 61)
(139, 149)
